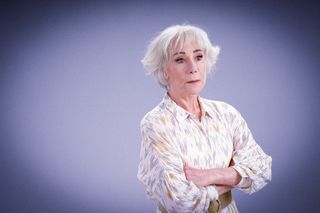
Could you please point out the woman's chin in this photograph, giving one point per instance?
(194, 90)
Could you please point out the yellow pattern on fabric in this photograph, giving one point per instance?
(171, 135)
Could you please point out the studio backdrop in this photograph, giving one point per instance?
(73, 92)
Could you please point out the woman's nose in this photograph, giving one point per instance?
(193, 66)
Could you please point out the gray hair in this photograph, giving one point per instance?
(160, 49)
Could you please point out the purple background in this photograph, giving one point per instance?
(73, 92)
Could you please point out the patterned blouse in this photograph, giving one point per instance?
(171, 135)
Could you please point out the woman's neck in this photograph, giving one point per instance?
(189, 103)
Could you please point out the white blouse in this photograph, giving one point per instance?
(171, 135)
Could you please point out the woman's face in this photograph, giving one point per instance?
(186, 70)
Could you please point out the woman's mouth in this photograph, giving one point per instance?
(193, 81)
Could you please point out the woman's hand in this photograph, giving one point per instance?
(215, 176)
(200, 177)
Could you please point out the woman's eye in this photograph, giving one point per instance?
(199, 57)
(180, 60)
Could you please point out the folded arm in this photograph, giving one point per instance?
(250, 167)
(161, 171)
(224, 179)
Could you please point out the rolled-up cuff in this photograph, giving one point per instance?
(245, 181)
(212, 192)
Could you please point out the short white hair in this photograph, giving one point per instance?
(160, 49)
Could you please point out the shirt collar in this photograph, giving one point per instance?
(206, 107)
(181, 114)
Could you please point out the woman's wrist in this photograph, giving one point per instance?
(213, 176)
(224, 176)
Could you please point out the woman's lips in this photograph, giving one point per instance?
(193, 81)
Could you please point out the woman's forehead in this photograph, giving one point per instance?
(186, 45)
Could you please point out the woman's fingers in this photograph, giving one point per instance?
(194, 175)
(197, 176)
(186, 170)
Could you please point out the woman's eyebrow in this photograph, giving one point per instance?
(179, 53)
(197, 50)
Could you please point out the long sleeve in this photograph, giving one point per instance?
(161, 172)
(250, 160)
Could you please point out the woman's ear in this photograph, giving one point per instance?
(165, 75)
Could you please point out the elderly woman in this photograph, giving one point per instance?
(194, 150)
